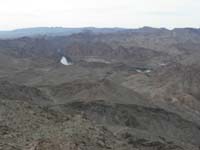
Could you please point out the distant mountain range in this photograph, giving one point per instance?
(53, 31)
(60, 31)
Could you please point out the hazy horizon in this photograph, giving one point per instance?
(105, 13)
(53, 27)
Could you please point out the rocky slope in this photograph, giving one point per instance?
(125, 89)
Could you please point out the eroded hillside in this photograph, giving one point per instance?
(122, 90)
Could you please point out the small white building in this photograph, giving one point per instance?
(64, 61)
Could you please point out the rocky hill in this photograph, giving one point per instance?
(121, 89)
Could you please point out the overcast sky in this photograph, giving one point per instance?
(99, 13)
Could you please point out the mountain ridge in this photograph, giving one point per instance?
(64, 31)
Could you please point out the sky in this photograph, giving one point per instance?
(99, 13)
